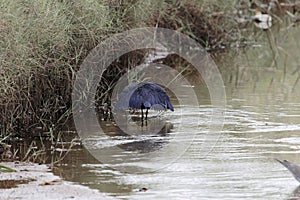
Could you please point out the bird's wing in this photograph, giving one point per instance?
(124, 98)
(164, 99)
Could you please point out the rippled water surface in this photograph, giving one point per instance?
(187, 160)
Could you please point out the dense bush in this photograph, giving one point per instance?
(43, 43)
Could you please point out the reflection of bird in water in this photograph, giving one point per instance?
(144, 95)
(293, 168)
(147, 143)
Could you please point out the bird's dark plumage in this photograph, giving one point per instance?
(144, 95)
(147, 95)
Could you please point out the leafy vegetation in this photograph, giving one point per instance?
(43, 43)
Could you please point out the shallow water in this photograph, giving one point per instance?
(262, 122)
(240, 164)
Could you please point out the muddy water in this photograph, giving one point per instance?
(262, 122)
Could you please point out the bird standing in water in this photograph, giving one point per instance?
(144, 95)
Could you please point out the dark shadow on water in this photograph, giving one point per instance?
(151, 142)
(81, 167)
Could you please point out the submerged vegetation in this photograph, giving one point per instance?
(43, 44)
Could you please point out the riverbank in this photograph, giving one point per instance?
(33, 181)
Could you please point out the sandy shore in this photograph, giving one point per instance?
(38, 182)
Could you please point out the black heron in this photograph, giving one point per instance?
(144, 95)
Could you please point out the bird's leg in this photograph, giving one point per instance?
(146, 116)
(142, 117)
(142, 114)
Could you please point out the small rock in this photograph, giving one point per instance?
(143, 189)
